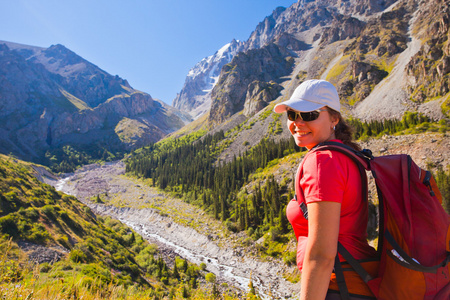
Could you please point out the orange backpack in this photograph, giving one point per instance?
(414, 230)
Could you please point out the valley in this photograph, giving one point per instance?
(179, 229)
(206, 179)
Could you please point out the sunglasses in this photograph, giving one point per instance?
(305, 116)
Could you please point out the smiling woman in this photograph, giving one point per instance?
(310, 120)
(328, 205)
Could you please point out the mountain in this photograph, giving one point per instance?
(389, 60)
(51, 97)
(196, 93)
(384, 57)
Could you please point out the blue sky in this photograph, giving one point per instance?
(152, 44)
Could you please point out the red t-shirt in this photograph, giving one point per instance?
(332, 176)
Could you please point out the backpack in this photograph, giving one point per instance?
(414, 229)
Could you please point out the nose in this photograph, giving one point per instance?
(299, 121)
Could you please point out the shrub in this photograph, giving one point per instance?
(77, 256)
(8, 226)
(49, 211)
(88, 211)
(290, 258)
(38, 234)
(11, 271)
(250, 231)
(64, 241)
(45, 267)
(65, 265)
(210, 277)
(275, 234)
(151, 249)
(95, 271)
(231, 226)
(31, 214)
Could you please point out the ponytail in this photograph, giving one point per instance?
(343, 131)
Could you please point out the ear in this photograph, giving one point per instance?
(334, 119)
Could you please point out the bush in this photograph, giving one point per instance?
(250, 231)
(8, 226)
(64, 241)
(275, 234)
(210, 277)
(290, 258)
(38, 234)
(45, 267)
(88, 211)
(231, 226)
(49, 211)
(31, 214)
(64, 265)
(95, 271)
(77, 256)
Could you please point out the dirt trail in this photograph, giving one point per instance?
(176, 227)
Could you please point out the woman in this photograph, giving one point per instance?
(330, 184)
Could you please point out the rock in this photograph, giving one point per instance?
(202, 78)
(341, 28)
(41, 254)
(259, 94)
(266, 64)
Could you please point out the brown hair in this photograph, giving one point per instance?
(343, 131)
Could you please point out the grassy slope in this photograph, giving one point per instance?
(104, 258)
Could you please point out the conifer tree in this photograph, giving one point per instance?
(175, 272)
(252, 291)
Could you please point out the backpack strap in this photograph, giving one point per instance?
(365, 276)
(343, 290)
(362, 160)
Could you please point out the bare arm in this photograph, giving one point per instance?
(323, 223)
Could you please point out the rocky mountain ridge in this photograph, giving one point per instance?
(51, 97)
(383, 56)
(196, 93)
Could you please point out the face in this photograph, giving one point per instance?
(309, 134)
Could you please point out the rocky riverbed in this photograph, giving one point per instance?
(179, 229)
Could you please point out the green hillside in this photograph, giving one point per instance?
(98, 258)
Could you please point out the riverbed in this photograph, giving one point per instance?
(179, 229)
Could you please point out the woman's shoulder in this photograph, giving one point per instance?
(327, 157)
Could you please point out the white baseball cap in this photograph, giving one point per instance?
(311, 95)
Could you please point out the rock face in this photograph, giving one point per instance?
(264, 65)
(259, 94)
(51, 96)
(195, 95)
(430, 66)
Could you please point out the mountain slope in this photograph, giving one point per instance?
(51, 97)
(54, 247)
(36, 216)
(195, 94)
